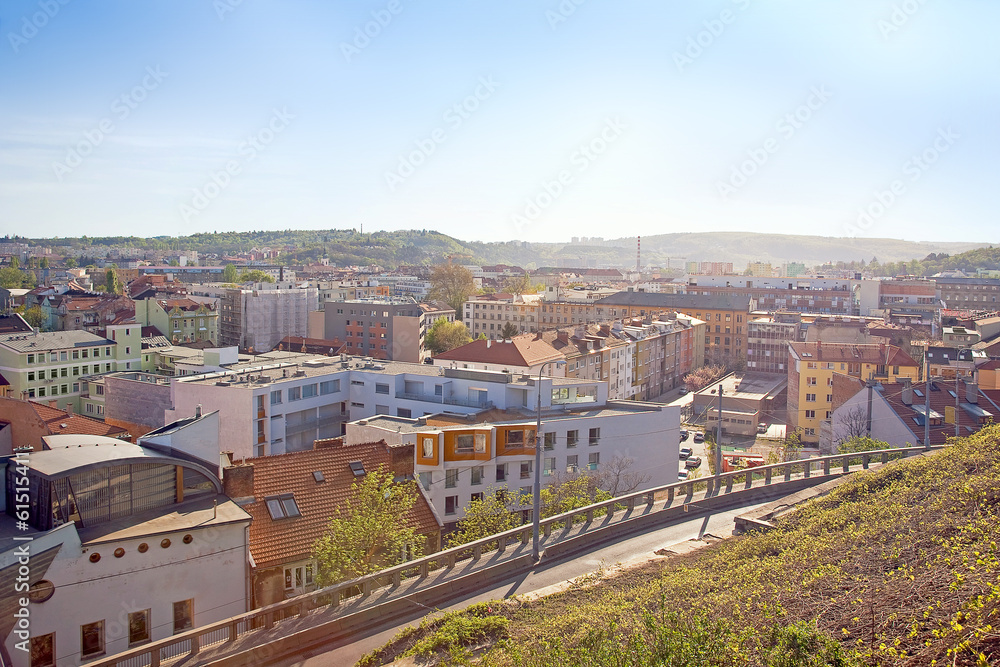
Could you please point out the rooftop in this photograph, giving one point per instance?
(942, 396)
(521, 351)
(749, 386)
(871, 353)
(676, 301)
(51, 340)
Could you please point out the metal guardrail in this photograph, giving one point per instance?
(191, 642)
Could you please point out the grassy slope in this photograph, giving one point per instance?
(898, 566)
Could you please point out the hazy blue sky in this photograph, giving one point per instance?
(512, 119)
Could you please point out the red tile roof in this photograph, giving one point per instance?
(889, 355)
(275, 542)
(941, 399)
(525, 350)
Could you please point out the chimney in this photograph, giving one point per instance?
(489, 342)
(907, 396)
(54, 404)
(971, 392)
(562, 336)
(69, 409)
(237, 481)
(197, 411)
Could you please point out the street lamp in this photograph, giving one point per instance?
(537, 494)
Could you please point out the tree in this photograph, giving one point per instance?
(852, 424)
(509, 330)
(793, 447)
(69, 263)
(445, 335)
(15, 263)
(453, 284)
(617, 477)
(33, 316)
(11, 278)
(255, 276)
(370, 531)
(111, 282)
(495, 512)
(571, 494)
(861, 444)
(44, 264)
(230, 274)
(518, 285)
(703, 377)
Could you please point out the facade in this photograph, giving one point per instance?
(180, 320)
(811, 367)
(768, 337)
(968, 293)
(807, 295)
(595, 353)
(128, 545)
(488, 313)
(390, 329)
(83, 312)
(257, 319)
(54, 365)
(458, 459)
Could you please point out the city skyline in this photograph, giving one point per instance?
(528, 121)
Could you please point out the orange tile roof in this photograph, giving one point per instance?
(58, 421)
(275, 542)
(525, 350)
(861, 353)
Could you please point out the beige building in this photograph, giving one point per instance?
(488, 313)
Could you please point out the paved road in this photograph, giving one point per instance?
(719, 524)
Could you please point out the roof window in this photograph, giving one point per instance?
(282, 507)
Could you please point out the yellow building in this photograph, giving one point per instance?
(811, 367)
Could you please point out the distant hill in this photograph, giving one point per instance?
(390, 249)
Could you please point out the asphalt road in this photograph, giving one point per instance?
(719, 524)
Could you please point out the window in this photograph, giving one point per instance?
(63, 372)
(381, 388)
(183, 615)
(425, 480)
(810, 398)
(282, 507)
(477, 475)
(294, 394)
(571, 438)
(328, 387)
(829, 413)
(526, 469)
(43, 650)
(810, 414)
(593, 461)
(595, 436)
(476, 496)
(829, 398)
(502, 472)
(571, 463)
(276, 397)
(309, 390)
(811, 381)
(404, 412)
(550, 441)
(515, 438)
(138, 627)
(548, 466)
(450, 479)
(810, 431)
(92, 639)
(31, 376)
(31, 358)
(450, 505)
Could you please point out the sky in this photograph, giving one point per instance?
(506, 120)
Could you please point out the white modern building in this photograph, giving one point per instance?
(124, 545)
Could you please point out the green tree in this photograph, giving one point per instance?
(571, 494)
(15, 263)
(69, 263)
(111, 282)
(497, 511)
(509, 330)
(11, 278)
(255, 276)
(44, 264)
(370, 531)
(453, 284)
(518, 285)
(32, 316)
(230, 274)
(445, 335)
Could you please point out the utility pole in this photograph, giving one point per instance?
(868, 423)
(718, 442)
(956, 402)
(927, 414)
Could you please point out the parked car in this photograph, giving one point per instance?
(686, 452)
(684, 435)
(699, 437)
(693, 462)
(682, 475)
(683, 391)
(762, 427)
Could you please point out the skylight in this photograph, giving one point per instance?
(318, 476)
(282, 507)
(358, 468)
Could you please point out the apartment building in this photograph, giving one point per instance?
(128, 545)
(458, 459)
(966, 293)
(393, 329)
(75, 311)
(259, 317)
(663, 351)
(54, 365)
(595, 353)
(488, 313)
(768, 337)
(811, 367)
(725, 317)
(905, 301)
(807, 295)
(180, 320)
(521, 354)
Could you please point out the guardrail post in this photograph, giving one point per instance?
(865, 458)
(195, 644)
(397, 579)
(826, 466)
(808, 469)
(450, 562)
(424, 569)
(366, 588)
(788, 472)
(670, 496)
(729, 485)
(885, 457)
(749, 481)
(335, 602)
(650, 499)
(525, 536)
(502, 544)
(301, 609)
(268, 620)
(847, 463)
(767, 476)
(590, 516)
(154, 658)
(547, 529)
(234, 632)
(477, 552)
(631, 503)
